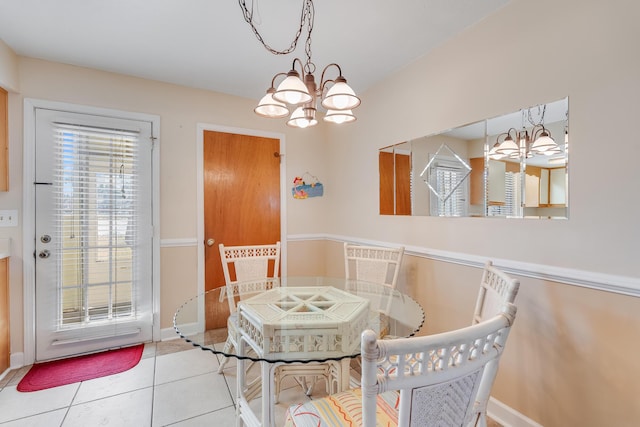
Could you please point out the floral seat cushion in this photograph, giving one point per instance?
(343, 410)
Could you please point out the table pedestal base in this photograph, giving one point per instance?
(338, 378)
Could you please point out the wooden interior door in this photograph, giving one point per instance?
(395, 183)
(403, 184)
(387, 172)
(241, 200)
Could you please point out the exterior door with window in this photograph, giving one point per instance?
(93, 242)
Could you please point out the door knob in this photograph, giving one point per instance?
(210, 242)
(44, 254)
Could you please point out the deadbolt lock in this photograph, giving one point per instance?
(45, 238)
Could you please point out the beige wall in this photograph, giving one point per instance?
(555, 369)
(8, 68)
(571, 358)
(180, 110)
(528, 53)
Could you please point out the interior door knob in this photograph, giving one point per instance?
(210, 242)
(44, 254)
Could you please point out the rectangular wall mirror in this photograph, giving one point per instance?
(512, 166)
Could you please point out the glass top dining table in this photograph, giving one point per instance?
(298, 319)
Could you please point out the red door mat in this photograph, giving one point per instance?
(81, 368)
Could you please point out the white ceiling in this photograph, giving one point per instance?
(207, 44)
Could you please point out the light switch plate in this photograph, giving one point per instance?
(9, 218)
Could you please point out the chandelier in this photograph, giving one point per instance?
(302, 95)
(515, 144)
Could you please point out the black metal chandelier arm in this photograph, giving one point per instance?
(273, 80)
(324, 82)
(248, 17)
(302, 66)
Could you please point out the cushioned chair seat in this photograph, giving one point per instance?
(343, 410)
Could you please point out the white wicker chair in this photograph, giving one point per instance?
(248, 263)
(373, 263)
(438, 378)
(496, 289)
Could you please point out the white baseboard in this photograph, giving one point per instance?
(16, 360)
(507, 416)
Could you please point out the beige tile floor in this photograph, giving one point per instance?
(174, 384)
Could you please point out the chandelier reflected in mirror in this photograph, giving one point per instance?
(300, 94)
(526, 143)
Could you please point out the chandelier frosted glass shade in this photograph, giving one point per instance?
(552, 151)
(493, 153)
(269, 107)
(508, 147)
(292, 90)
(301, 120)
(340, 97)
(339, 116)
(302, 96)
(543, 143)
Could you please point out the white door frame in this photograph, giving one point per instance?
(28, 215)
(201, 128)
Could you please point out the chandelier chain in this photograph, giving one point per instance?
(530, 118)
(309, 67)
(306, 15)
(302, 92)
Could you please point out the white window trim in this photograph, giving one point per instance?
(28, 219)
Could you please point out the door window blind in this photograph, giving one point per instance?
(512, 197)
(449, 181)
(96, 196)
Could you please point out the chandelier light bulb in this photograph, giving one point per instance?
(340, 102)
(292, 90)
(340, 96)
(299, 120)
